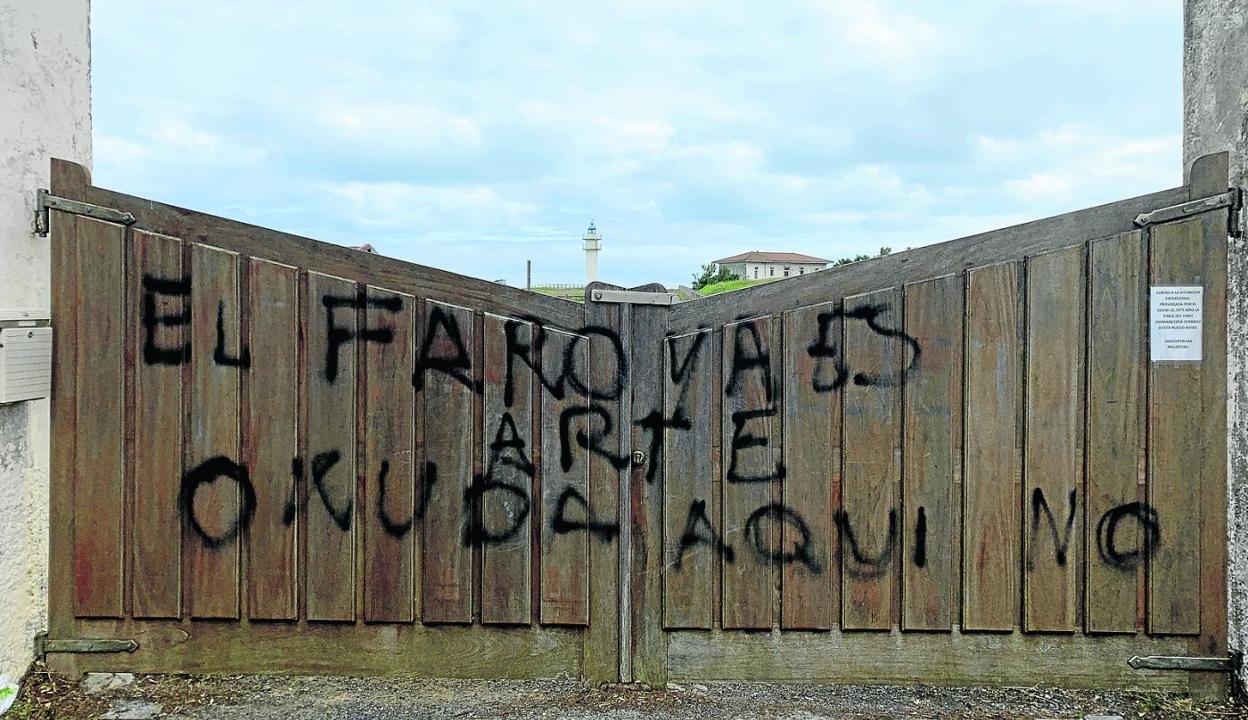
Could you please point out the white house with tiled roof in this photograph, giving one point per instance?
(758, 265)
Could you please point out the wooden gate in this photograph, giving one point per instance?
(281, 455)
(960, 464)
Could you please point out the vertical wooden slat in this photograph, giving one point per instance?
(273, 440)
(689, 547)
(749, 470)
(99, 465)
(389, 444)
(647, 326)
(1176, 448)
(992, 468)
(814, 377)
(507, 563)
(869, 522)
(62, 581)
(445, 372)
(603, 656)
(1053, 450)
(212, 502)
(330, 471)
(933, 455)
(1209, 175)
(565, 555)
(1117, 315)
(159, 297)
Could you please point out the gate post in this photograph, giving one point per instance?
(641, 327)
(647, 643)
(1215, 119)
(610, 388)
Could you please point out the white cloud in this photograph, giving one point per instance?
(688, 131)
(398, 206)
(1077, 164)
(405, 124)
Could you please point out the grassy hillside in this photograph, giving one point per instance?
(730, 285)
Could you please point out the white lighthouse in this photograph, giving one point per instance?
(593, 244)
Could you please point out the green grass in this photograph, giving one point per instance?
(730, 285)
(574, 294)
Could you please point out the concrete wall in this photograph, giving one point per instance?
(1215, 118)
(45, 111)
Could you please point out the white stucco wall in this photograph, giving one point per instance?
(1215, 118)
(761, 271)
(45, 111)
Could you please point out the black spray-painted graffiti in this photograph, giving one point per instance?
(590, 429)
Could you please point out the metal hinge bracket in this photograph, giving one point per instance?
(45, 201)
(634, 297)
(43, 645)
(1230, 199)
(1169, 662)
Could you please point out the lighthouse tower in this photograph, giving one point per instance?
(593, 244)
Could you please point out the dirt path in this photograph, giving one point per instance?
(277, 698)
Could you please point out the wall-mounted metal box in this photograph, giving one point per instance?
(25, 356)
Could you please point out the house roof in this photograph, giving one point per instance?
(759, 256)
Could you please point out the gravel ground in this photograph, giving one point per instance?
(280, 698)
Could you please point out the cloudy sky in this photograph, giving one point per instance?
(474, 135)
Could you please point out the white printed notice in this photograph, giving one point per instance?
(1174, 323)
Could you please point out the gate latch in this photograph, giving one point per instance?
(635, 297)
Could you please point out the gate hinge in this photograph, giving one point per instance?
(635, 297)
(45, 201)
(1231, 199)
(1172, 662)
(43, 645)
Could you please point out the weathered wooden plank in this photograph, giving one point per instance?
(99, 466)
(507, 560)
(1017, 659)
(389, 446)
(877, 360)
(646, 641)
(273, 440)
(933, 455)
(159, 300)
(1176, 448)
(1053, 449)
(331, 471)
(814, 378)
(564, 487)
(751, 522)
(1117, 317)
(379, 649)
(991, 475)
(63, 250)
(689, 547)
(444, 374)
(603, 657)
(211, 500)
(1208, 175)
